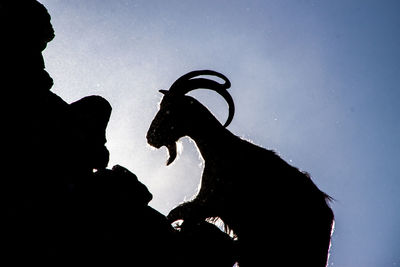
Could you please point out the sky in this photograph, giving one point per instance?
(316, 81)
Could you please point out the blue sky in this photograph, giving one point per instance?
(317, 81)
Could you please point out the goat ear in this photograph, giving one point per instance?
(164, 92)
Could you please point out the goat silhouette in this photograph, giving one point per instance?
(279, 216)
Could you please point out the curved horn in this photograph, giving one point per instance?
(177, 86)
(186, 83)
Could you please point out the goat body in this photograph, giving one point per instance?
(278, 214)
(272, 207)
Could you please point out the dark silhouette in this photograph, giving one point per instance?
(61, 205)
(279, 216)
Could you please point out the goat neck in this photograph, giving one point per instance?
(210, 138)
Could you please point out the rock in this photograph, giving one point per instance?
(61, 205)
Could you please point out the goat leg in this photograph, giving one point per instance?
(189, 212)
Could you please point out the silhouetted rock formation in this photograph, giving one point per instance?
(57, 210)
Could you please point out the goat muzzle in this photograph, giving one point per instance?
(171, 146)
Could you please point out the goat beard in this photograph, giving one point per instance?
(172, 152)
